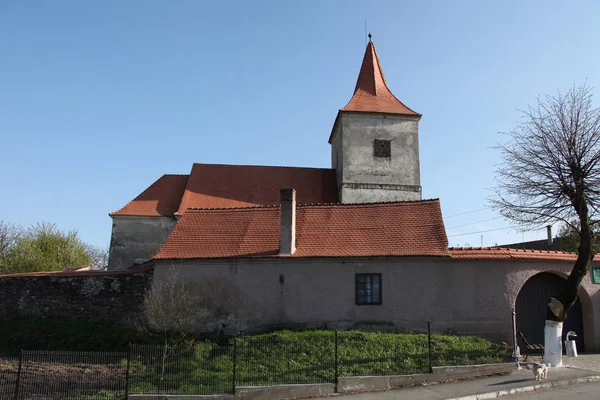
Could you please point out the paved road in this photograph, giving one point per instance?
(590, 391)
(444, 391)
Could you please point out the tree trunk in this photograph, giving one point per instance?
(553, 343)
(162, 367)
(556, 312)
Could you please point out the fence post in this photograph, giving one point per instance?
(18, 375)
(395, 358)
(335, 360)
(234, 363)
(127, 372)
(429, 347)
(514, 335)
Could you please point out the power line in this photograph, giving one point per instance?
(466, 212)
(488, 230)
(473, 223)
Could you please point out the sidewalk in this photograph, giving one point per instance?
(585, 368)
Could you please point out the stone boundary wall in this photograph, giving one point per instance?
(111, 297)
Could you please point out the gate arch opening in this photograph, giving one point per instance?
(531, 304)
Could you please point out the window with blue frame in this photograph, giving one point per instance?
(368, 289)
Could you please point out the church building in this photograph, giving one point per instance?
(374, 158)
(348, 246)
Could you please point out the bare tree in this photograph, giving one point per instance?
(229, 309)
(9, 237)
(551, 173)
(98, 257)
(172, 309)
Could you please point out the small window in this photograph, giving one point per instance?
(382, 148)
(368, 289)
(596, 275)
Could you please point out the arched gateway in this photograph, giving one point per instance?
(531, 309)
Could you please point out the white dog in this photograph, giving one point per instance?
(540, 371)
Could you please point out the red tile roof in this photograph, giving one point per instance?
(371, 92)
(497, 253)
(162, 198)
(220, 186)
(322, 230)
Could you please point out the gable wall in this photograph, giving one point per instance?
(337, 159)
(137, 238)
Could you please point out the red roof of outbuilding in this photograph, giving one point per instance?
(497, 253)
(371, 92)
(322, 230)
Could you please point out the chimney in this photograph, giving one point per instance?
(287, 227)
(549, 231)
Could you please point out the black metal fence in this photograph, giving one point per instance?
(276, 360)
(383, 354)
(273, 359)
(205, 368)
(488, 342)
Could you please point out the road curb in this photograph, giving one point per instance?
(532, 388)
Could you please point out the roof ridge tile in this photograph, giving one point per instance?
(262, 166)
(231, 208)
(308, 205)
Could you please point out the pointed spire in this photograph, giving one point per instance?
(371, 92)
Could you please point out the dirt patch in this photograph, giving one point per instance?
(54, 379)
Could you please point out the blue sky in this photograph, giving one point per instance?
(99, 99)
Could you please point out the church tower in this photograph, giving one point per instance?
(375, 142)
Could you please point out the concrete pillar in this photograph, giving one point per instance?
(287, 227)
